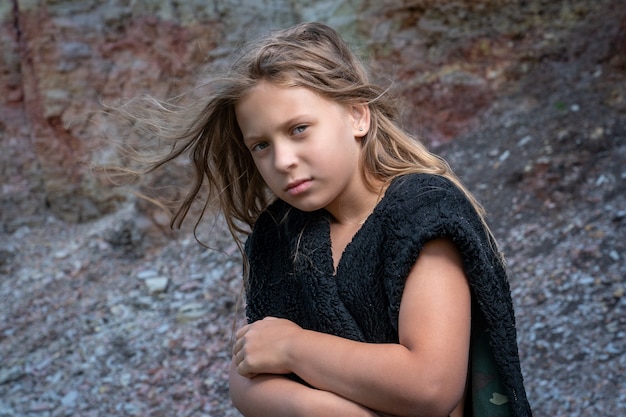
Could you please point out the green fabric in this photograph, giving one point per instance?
(489, 397)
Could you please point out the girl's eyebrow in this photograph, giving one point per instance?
(282, 126)
(293, 121)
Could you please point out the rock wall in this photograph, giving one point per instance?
(450, 61)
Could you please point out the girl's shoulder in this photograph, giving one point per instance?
(428, 205)
(416, 181)
(423, 190)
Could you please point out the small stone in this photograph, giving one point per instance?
(209, 382)
(61, 254)
(41, 406)
(156, 285)
(588, 280)
(119, 310)
(523, 141)
(189, 312)
(597, 133)
(76, 50)
(602, 179)
(11, 374)
(612, 327)
(162, 329)
(125, 379)
(147, 273)
(613, 349)
(69, 399)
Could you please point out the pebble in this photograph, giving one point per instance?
(156, 285)
(61, 254)
(524, 141)
(597, 133)
(125, 379)
(10, 374)
(147, 273)
(69, 399)
(586, 280)
(190, 311)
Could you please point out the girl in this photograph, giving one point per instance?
(373, 285)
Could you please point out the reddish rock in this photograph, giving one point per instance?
(61, 65)
(449, 62)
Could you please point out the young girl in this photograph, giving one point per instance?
(373, 285)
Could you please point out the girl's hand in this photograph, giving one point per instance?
(262, 347)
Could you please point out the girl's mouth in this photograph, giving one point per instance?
(298, 187)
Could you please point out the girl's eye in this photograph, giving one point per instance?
(259, 146)
(299, 129)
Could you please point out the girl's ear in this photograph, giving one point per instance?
(360, 114)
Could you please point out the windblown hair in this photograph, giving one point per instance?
(309, 55)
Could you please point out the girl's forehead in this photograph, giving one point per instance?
(265, 84)
(269, 92)
(277, 90)
(268, 99)
(269, 107)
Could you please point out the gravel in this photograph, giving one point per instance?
(90, 327)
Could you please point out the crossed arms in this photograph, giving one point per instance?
(423, 375)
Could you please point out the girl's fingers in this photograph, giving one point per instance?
(242, 331)
(237, 346)
(257, 347)
(238, 338)
(242, 367)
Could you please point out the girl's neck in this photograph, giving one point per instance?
(355, 210)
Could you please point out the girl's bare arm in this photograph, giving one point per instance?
(276, 396)
(425, 374)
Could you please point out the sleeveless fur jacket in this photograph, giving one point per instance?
(292, 276)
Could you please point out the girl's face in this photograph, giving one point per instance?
(306, 147)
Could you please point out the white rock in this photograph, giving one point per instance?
(156, 284)
(190, 311)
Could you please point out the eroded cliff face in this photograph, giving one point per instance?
(450, 61)
(64, 60)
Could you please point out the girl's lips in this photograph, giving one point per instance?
(298, 187)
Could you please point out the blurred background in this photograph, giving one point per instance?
(105, 310)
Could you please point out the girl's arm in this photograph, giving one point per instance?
(276, 396)
(425, 374)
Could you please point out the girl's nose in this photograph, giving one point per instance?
(285, 157)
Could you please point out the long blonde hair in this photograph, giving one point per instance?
(310, 55)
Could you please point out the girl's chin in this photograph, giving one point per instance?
(302, 205)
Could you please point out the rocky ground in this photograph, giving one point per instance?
(95, 322)
(551, 169)
(121, 317)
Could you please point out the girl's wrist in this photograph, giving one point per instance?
(290, 350)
